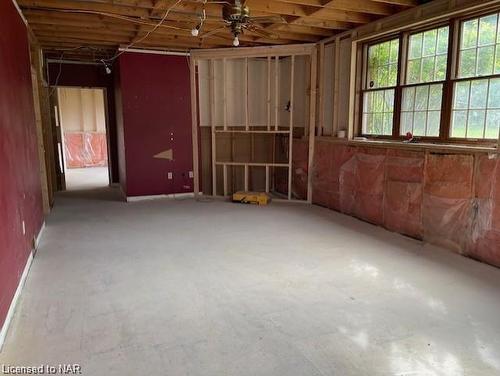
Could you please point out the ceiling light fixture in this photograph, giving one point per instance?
(236, 41)
(196, 30)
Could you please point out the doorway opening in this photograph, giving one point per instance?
(82, 114)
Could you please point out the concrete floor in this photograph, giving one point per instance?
(180, 287)
(86, 178)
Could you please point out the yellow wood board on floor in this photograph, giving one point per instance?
(257, 198)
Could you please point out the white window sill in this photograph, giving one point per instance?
(412, 145)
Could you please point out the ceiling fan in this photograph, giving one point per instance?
(236, 17)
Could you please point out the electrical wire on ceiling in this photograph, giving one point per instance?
(65, 50)
(107, 62)
(112, 15)
(133, 43)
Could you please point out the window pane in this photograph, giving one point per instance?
(467, 63)
(461, 95)
(415, 50)
(497, 59)
(458, 124)
(477, 48)
(440, 69)
(469, 34)
(427, 56)
(421, 110)
(475, 124)
(378, 112)
(406, 122)
(433, 121)
(421, 97)
(494, 93)
(382, 64)
(435, 95)
(430, 41)
(487, 30)
(442, 46)
(478, 94)
(476, 105)
(413, 71)
(492, 124)
(419, 123)
(408, 99)
(485, 56)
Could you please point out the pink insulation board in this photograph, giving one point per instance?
(450, 200)
(85, 149)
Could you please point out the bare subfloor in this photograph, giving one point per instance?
(173, 287)
(86, 178)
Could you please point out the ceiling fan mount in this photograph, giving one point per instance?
(236, 17)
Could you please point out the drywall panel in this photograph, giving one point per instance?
(156, 124)
(344, 83)
(82, 109)
(204, 93)
(328, 88)
(235, 92)
(257, 92)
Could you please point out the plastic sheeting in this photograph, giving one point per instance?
(447, 199)
(85, 149)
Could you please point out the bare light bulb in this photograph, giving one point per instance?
(236, 42)
(195, 31)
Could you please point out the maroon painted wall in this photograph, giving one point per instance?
(20, 188)
(156, 116)
(122, 170)
(87, 75)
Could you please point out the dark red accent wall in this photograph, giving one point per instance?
(155, 101)
(20, 188)
(91, 75)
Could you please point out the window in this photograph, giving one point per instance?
(381, 79)
(426, 62)
(417, 83)
(476, 92)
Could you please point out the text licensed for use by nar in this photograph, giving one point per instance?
(43, 369)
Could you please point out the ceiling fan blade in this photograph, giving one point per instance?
(267, 19)
(259, 31)
(212, 32)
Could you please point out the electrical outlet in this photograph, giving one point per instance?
(191, 175)
(170, 176)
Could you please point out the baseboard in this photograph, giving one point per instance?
(22, 281)
(39, 237)
(154, 197)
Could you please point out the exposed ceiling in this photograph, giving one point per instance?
(96, 28)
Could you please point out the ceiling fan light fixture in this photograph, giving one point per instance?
(196, 30)
(236, 41)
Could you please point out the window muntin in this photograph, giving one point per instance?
(427, 56)
(468, 90)
(479, 53)
(378, 112)
(426, 62)
(382, 70)
(421, 110)
(378, 97)
(475, 110)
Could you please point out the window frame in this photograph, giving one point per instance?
(455, 25)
